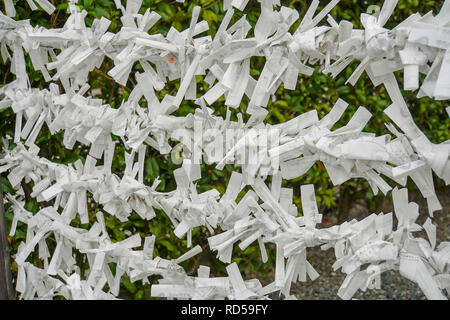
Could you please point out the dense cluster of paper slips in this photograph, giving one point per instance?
(420, 44)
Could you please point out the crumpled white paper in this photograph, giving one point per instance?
(264, 215)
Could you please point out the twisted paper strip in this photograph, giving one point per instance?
(226, 58)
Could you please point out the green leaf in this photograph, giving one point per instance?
(32, 206)
(151, 168)
(128, 284)
(139, 295)
(210, 16)
(169, 246)
(62, 6)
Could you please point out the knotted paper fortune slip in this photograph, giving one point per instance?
(266, 213)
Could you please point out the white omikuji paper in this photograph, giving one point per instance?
(265, 214)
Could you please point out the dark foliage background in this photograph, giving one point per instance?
(316, 92)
